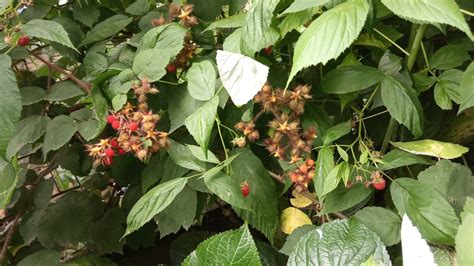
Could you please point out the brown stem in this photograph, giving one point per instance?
(277, 177)
(84, 86)
(9, 236)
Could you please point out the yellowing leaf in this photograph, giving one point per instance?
(300, 201)
(292, 218)
(434, 148)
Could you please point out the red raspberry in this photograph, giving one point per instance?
(111, 119)
(171, 68)
(23, 41)
(116, 125)
(114, 143)
(133, 126)
(121, 151)
(268, 50)
(107, 161)
(379, 184)
(110, 152)
(245, 188)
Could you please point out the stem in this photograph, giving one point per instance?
(84, 86)
(391, 129)
(416, 46)
(392, 42)
(222, 140)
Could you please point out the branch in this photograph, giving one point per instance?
(84, 86)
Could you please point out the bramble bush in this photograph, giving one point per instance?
(234, 132)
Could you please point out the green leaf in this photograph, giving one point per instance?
(295, 20)
(48, 30)
(426, 208)
(87, 14)
(8, 182)
(183, 157)
(447, 88)
(234, 21)
(294, 238)
(403, 104)
(390, 64)
(454, 181)
(341, 242)
(234, 247)
(100, 105)
(331, 181)
(43, 194)
(255, 32)
(69, 220)
(441, 11)
(59, 131)
(351, 78)
(468, 208)
(170, 220)
(201, 155)
(343, 198)
(138, 8)
(119, 101)
(232, 42)
(64, 90)
(153, 202)
(324, 165)
(29, 130)
(31, 95)
(185, 244)
(106, 28)
(449, 56)
(263, 195)
(464, 238)
(336, 132)
(88, 260)
(466, 88)
(385, 223)
(300, 5)
(168, 38)
(10, 106)
(202, 80)
(329, 35)
(42, 257)
(150, 64)
(181, 105)
(227, 189)
(433, 148)
(397, 158)
(106, 232)
(200, 123)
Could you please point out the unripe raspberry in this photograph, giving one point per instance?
(111, 119)
(110, 152)
(116, 125)
(133, 126)
(23, 41)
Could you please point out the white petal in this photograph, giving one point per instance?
(414, 248)
(241, 76)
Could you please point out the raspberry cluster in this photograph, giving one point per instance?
(136, 130)
(183, 13)
(286, 140)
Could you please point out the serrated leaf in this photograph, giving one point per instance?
(227, 189)
(59, 131)
(295, 236)
(200, 155)
(229, 248)
(106, 232)
(336, 132)
(331, 181)
(468, 208)
(390, 64)
(255, 32)
(454, 181)
(202, 80)
(168, 38)
(241, 76)
(449, 56)
(48, 30)
(343, 198)
(351, 78)
(153, 202)
(29, 130)
(385, 223)
(433, 148)
(86, 14)
(415, 250)
(150, 64)
(10, 106)
(466, 89)
(441, 11)
(43, 194)
(263, 195)
(138, 8)
(403, 104)
(106, 28)
(465, 241)
(426, 208)
(341, 242)
(181, 105)
(292, 218)
(397, 158)
(183, 157)
(185, 244)
(200, 123)
(300, 5)
(42, 257)
(31, 95)
(64, 90)
(234, 21)
(329, 35)
(295, 20)
(7, 183)
(324, 165)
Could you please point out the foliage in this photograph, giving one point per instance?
(262, 132)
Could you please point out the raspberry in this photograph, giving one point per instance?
(107, 161)
(170, 68)
(245, 189)
(116, 125)
(379, 184)
(133, 126)
(268, 50)
(109, 152)
(121, 151)
(23, 41)
(111, 119)
(114, 143)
